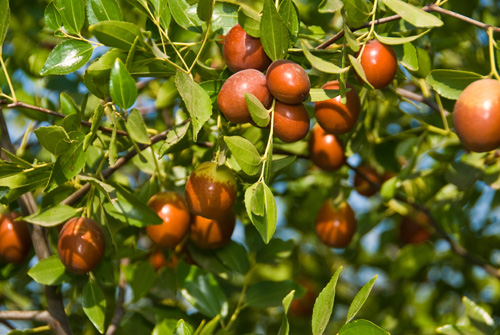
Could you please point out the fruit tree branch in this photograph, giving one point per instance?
(419, 98)
(40, 316)
(58, 320)
(19, 104)
(429, 8)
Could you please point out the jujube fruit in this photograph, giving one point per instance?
(242, 51)
(414, 230)
(15, 240)
(291, 122)
(210, 190)
(325, 150)
(380, 63)
(81, 245)
(169, 206)
(288, 81)
(212, 233)
(362, 185)
(231, 99)
(335, 227)
(303, 307)
(335, 117)
(477, 116)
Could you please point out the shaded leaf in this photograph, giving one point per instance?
(249, 20)
(103, 10)
(117, 34)
(478, 317)
(266, 294)
(72, 14)
(51, 17)
(122, 86)
(136, 127)
(330, 6)
(94, 305)
(184, 15)
(53, 216)
(450, 83)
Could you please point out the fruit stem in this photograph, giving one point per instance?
(14, 98)
(441, 111)
(494, 71)
(269, 145)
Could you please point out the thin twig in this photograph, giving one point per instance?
(419, 98)
(120, 311)
(7, 324)
(40, 316)
(429, 8)
(20, 104)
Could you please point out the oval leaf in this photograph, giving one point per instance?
(412, 14)
(450, 83)
(51, 17)
(94, 305)
(49, 271)
(362, 327)
(478, 317)
(245, 154)
(103, 10)
(72, 14)
(122, 86)
(249, 20)
(53, 216)
(273, 32)
(399, 40)
(290, 16)
(266, 224)
(259, 113)
(360, 299)
(321, 64)
(323, 306)
(136, 127)
(184, 16)
(319, 94)
(116, 34)
(4, 20)
(68, 56)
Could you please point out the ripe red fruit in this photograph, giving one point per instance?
(477, 115)
(81, 245)
(325, 150)
(173, 210)
(303, 307)
(210, 190)
(242, 51)
(231, 99)
(335, 117)
(288, 81)
(335, 227)
(291, 122)
(362, 186)
(15, 240)
(212, 233)
(380, 63)
(414, 230)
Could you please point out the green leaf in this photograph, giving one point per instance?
(204, 9)
(359, 69)
(357, 12)
(185, 16)
(140, 276)
(351, 39)
(273, 32)
(412, 14)
(117, 34)
(49, 271)
(249, 20)
(202, 291)
(94, 305)
(53, 216)
(266, 294)
(198, 103)
(68, 56)
(4, 21)
(122, 86)
(410, 60)
(127, 208)
(53, 138)
(136, 127)
(362, 327)
(72, 14)
(321, 64)
(360, 299)
(224, 17)
(182, 328)
(478, 317)
(388, 189)
(276, 250)
(450, 83)
(96, 121)
(319, 94)
(162, 13)
(266, 224)
(24, 181)
(166, 327)
(103, 10)
(411, 259)
(463, 175)
(174, 136)
(324, 304)
(457, 330)
(259, 113)
(211, 326)
(399, 40)
(285, 327)
(257, 205)
(330, 6)
(290, 16)
(245, 154)
(235, 257)
(52, 17)
(68, 105)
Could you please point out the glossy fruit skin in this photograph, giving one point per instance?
(476, 116)
(362, 186)
(335, 227)
(231, 99)
(335, 117)
(210, 190)
(380, 63)
(81, 245)
(242, 51)
(15, 240)
(291, 122)
(414, 230)
(326, 150)
(287, 81)
(169, 206)
(210, 233)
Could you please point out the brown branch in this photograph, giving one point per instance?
(120, 311)
(19, 104)
(7, 324)
(39, 316)
(58, 320)
(419, 98)
(429, 8)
